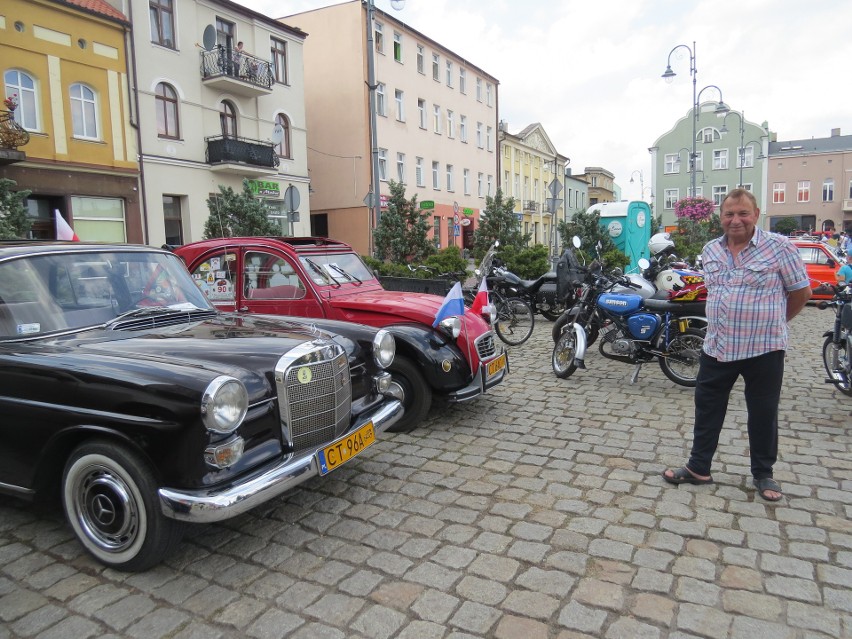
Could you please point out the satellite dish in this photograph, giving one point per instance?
(277, 134)
(209, 37)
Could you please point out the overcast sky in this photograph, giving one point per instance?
(589, 72)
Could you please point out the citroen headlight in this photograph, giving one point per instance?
(451, 326)
(384, 348)
(224, 404)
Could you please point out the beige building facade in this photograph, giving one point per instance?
(601, 184)
(210, 114)
(436, 125)
(529, 166)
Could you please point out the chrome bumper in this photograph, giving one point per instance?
(204, 506)
(479, 384)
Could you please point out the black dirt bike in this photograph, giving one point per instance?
(837, 347)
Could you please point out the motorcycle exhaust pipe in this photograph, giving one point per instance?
(580, 354)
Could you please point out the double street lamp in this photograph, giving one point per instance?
(641, 181)
(721, 107)
(741, 151)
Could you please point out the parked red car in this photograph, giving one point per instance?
(821, 262)
(319, 277)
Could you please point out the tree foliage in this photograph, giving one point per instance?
(691, 236)
(498, 222)
(401, 235)
(238, 215)
(596, 242)
(786, 225)
(14, 221)
(528, 263)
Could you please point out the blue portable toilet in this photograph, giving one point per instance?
(628, 224)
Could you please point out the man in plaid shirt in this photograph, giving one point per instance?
(756, 283)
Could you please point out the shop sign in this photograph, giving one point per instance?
(427, 204)
(467, 212)
(264, 188)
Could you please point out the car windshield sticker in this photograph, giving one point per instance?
(28, 329)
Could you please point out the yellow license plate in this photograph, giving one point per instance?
(343, 450)
(497, 365)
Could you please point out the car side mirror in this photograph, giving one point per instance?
(831, 263)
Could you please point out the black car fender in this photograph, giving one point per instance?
(434, 353)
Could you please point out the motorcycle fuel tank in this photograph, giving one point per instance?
(620, 303)
(642, 325)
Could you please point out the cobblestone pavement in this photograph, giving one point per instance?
(537, 511)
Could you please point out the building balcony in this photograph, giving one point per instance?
(241, 156)
(12, 136)
(241, 73)
(847, 206)
(531, 206)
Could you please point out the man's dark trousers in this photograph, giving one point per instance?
(762, 376)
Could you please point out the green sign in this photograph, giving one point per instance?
(264, 188)
(467, 212)
(427, 204)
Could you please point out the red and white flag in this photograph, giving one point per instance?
(63, 231)
(480, 302)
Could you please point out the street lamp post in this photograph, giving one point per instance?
(743, 143)
(721, 108)
(641, 181)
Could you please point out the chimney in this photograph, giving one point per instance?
(835, 133)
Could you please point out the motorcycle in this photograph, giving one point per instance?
(539, 294)
(837, 348)
(631, 329)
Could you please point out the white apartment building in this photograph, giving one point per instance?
(436, 125)
(210, 114)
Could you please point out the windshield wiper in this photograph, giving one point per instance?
(348, 276)
(144, 311)
(316, 268)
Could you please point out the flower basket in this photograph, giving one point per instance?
(697, 209)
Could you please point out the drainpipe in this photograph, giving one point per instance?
(133, 90)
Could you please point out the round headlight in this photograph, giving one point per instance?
(384, 348)
(224, 404)
(451, 326)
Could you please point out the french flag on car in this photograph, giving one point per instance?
(453, 304)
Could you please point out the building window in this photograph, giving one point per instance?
(488, 131)
(383, 165)
(420, 54)
(672, 163)
(437, 119)
(479, 140)
(18, 82)
(418, 172)
(828, 190)
(381, 106)
(479, 89)
(490, 185)
(462, 81)
(450, 73)
(168, 125)
(698, 192)
(699, 161)
(397, 46)
(282, 122)
(84, 112)
(671, 197)
(720, 159)
(745, 157)
(162, 17)
(421, 108)
(225, 34)
(450, 180)
(436, 67)
(489, 94)
(803, 191)
(748, 186)
(279, 61)
(466, 181)
(708, 134)
(436, 231)
(479, 184)
(400, 105)
(463, 132)
(228, 119)
(517, 186)
(99, 219)
(594, 180)
(436, 178)
(172, 220)
(719, 193)
(379, 36)
(400, 167)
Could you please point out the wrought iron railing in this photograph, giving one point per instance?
(531, 205)
(221, 61)
(12, 134)
(222, 148)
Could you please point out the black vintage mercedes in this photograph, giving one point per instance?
(125, 392)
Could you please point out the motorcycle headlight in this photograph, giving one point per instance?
(224, 404)
(384, 348)
(451, 326)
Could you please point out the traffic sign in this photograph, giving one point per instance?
(555, 187)
(456, 230)
(456, 218)
(456, 209)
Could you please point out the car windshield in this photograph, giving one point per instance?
(75, 290)
(337, 268)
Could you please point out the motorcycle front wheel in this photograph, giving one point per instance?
(554, 312)
(842, 360)
(686, 346)
(515, 320)
(564, 360)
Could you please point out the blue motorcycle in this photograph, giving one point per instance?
(630, 329)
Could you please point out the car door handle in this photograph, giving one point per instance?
(243, 309)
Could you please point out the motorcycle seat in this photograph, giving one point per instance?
(675, 308)
(550, 276)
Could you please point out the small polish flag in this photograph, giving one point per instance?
(63, 231)
(480, 302)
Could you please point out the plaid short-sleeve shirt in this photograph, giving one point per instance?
(747, 296)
